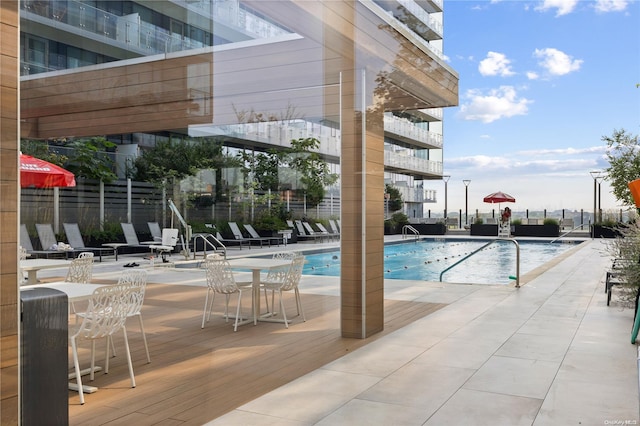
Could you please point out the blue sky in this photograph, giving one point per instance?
(541, 82)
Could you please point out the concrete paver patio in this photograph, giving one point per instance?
(550, 352)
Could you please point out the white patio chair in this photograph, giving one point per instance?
(285, 279)
(80, 271)
(220, 279)
(137, 280)
(106, 315)
(81, 268)
(289, 255)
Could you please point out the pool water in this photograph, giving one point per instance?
(425, 260)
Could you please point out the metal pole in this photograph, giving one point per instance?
(599, 205)
(466, 200)
(595, 175)
(446, 197)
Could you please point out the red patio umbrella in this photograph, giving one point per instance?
(499, 197)
(37, 173)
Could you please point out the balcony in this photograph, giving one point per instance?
(120, 36)
(412, 166)
(416, 18)
(405, 131)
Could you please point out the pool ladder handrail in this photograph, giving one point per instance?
(567, 233)
(485, 246)
(207, 242)
(412, 229)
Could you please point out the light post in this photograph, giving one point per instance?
(445, 178)
(595, 175)
(466, 200)
(600, 179)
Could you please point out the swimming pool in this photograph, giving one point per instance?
(426, 259)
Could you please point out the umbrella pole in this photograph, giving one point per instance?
(56, 210)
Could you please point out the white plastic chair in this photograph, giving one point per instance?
(80, 271)
(220, 280)
(137, 280)
(285, 279)
(106, 315)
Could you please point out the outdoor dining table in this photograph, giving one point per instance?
(76, 292)
(257, 265)
(32, 266)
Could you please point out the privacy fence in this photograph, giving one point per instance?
(91, 203)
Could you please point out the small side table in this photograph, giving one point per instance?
(115, 247)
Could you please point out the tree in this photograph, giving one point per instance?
(314, 171)
(89, 159)
(177, 159)
(395, 202)
(623, 154)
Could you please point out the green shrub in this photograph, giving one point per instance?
(550, 221)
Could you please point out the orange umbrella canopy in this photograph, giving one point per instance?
(499, 197)
(37, 173)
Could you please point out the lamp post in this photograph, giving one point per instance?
(595, 175)
(466, 200)
(445, 178)
(600, 179)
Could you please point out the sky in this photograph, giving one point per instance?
(541, 82)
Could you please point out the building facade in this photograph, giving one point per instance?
(59, 35)
(367, 78)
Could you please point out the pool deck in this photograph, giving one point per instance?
(548, 353)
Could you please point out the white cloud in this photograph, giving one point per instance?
(563, 7)
(532, 75)
(494, 105)
(495, 64)
(610, 5)
(563, 151)
(556, 62)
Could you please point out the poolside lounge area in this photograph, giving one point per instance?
(550, 352)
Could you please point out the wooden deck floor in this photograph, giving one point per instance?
(196, 375)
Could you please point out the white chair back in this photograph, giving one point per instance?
(220, 276)
(106, 312)
(292, 278)
(136, 279)
(81, 268)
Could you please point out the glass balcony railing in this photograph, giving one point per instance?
(408, 130)
(422, 15)
(136, 34)
(415, 164)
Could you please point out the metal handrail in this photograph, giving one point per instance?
(567, 233)
(205, 238)
(517, 277)
(410, 228)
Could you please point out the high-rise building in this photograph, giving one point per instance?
(60, 36)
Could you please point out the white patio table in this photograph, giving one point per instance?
(257, 265)
(32, 266)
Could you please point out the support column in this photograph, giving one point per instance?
(362, 207)
(9, 212)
